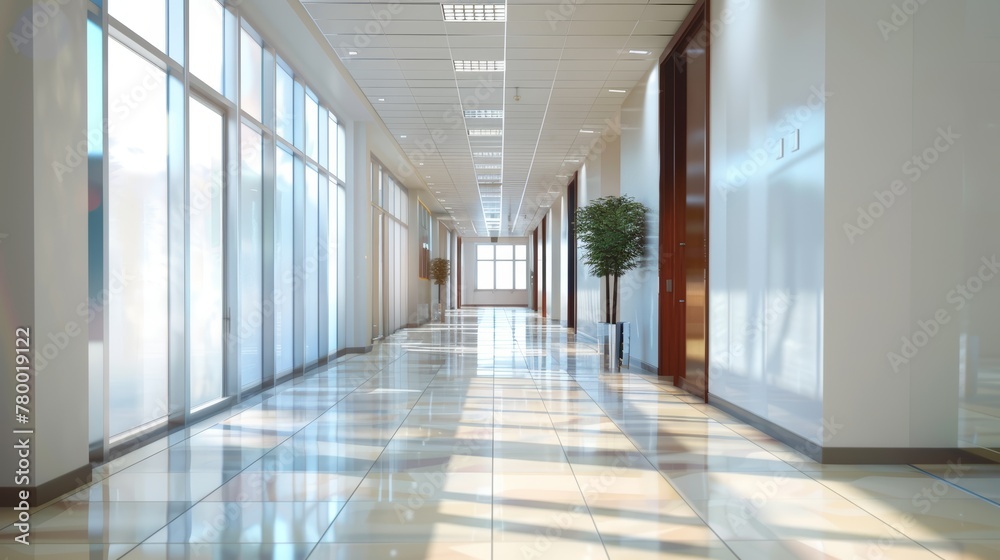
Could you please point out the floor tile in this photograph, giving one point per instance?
(965, 550)
(630, 548)
(250, 522)
(898, 549)
(496, 435)
(402, 551)
(99, 522)
(415, 522)
(545, 547)
(528, 520)
(782, 519)
(216, 551)
(929, 518)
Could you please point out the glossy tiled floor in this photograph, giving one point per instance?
(496, 436)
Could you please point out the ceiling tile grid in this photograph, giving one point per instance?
(497, 103)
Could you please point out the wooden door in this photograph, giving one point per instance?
(684, 206)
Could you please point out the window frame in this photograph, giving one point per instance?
(513, 260)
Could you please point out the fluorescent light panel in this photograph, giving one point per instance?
(479, 65)
(495, 178)
(474, 12)
(483, 114)
(486, 154)
(485, 132)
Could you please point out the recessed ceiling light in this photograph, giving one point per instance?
(485, 132)
(495, 178)
(438, 192)
(617, 91)
(487, 166)
(483, 113)
(447, 207)
(586, 131)
(352, 53)
(633, 51)
(402, 136)
(381, 99)
(572, 161)
(486, 154)
(479, 65)
(562, 176)
(427, 176)
(421, 163)
(474, 12)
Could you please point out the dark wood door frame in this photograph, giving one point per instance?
(534, 269)
(458, 273)
(683, 185)
(544, 309)
(571, 203)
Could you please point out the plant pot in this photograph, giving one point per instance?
(614, 339)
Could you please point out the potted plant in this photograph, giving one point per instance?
(612, 232)
(440, 271)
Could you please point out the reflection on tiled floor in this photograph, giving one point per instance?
(495, 435)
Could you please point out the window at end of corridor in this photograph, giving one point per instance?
(501, 266)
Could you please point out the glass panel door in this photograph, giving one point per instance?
(284, 264)
(377, 270)
(248, 329)
(332, 260)
(138, 243)
(205, 264)
(310, 265)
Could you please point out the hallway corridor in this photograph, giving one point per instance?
(494, 435)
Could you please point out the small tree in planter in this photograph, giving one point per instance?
(440, 272)
(612, 231)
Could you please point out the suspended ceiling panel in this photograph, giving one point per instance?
(497, 115)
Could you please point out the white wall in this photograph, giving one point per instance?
(43, 249)
(837, 272)
(472, 296)
(640, 179)
(766, 215)
(589, 288)
(922, 75)
(555, 260)
(599, 176)
(419, 301)
(359, 253)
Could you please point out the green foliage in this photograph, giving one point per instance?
(440, 271)
(612, 231)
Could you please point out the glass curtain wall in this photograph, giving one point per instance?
(249, 327)
(207, 164)
(205, 256)
(284, 262)
(138, 238)
(310, 263)
(390, 204)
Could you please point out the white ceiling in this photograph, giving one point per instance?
(561, 58)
